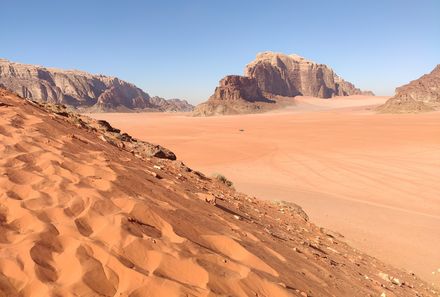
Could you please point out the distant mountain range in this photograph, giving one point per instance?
(81, 90)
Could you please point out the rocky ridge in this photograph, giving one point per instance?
(172, 105)
(134, 225)
(81, 90)
(419, 95)
(107, 133)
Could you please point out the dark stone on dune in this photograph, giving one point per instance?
(155, 150)
(107, 127)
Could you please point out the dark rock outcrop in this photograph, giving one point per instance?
(235, 87)
(79, 89)
(419, 95)
(234, 95)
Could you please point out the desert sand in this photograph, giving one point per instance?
(372, 177)
(81, 215)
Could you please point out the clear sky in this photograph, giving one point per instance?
(183, 48)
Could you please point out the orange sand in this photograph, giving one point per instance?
(372, 177)
(80, 215)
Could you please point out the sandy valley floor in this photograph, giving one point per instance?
(373, 177)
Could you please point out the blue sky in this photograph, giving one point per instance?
(183, 48)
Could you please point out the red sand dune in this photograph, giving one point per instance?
(372, 177)
(81, 215)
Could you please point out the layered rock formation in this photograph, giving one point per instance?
(270, 78)
(235, 87)
(83, 213)
(292, 75)
(419, 95)
(79, 89)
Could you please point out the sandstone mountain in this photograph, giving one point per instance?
(419, 95)
(80, 89)
(270, 80)
(292, 75)
(89, 211)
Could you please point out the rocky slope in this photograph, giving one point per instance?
(419, 95)
(80, 89)
(275, 76)
(82, 213)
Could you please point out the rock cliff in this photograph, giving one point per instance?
(79, 89)
(419, 95)
(292, 75)
(235, 87)
(234, 95)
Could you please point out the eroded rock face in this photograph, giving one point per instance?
(419, 95)
(234, 95)
(235, 87)
(292, 75)
(76, 88)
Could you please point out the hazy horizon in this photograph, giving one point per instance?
(178, 49)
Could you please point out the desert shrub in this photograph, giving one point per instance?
(221, 178)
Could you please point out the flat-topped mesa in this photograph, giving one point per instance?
(75, 88)
(293, 75)
(419, 95)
